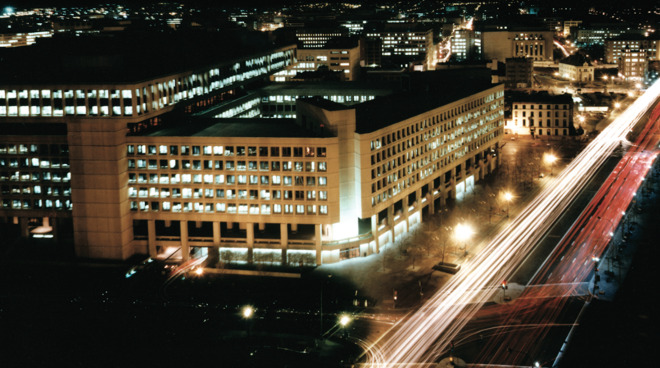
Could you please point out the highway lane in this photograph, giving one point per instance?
(441, 318)
(572, 264)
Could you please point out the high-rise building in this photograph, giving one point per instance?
(466, 45)
(502, 42)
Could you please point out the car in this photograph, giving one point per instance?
(452, 268)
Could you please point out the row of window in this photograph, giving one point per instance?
(42, 149)
(540, 107)
(185, 150)
(264, 194)
(36, 204)
(228, 165)
(127, 102)
(36, 190)
(241, 208)
(547, 114)
(55, 176)
(228, 179)
(25, 162)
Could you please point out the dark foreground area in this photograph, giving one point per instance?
(623, 332)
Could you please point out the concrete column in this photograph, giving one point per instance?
(213, 256)
(374, 231)
(25, 230)
(317, 239)
(230, 225)
(405, 214)
(216, 233)
(294, 227)
(430, 199)
(284, 241)
(262, 226)
(250, 241)
(390, 220)
(151, 238)
(185, 247)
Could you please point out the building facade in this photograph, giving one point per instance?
(466, 44)
(616, 48)
(576, 70)
(633, 64)
(541, 114)
(64, 153)
(505, 43)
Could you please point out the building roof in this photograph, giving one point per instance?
(539, 97)
(123, 57)
(430, 90)
(235, 127)
(576, 60)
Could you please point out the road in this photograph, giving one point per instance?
(569, 271)
(430, 330)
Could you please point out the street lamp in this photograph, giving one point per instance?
(463, 232)
(508, 197)
(550, 159)
(247, 314)
(344, 320)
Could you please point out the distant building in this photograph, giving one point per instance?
(597, 33)
(633, 64)
(338, 55)
(404, 41)
(466, 45)
(615, 48)
(22, 38)
(518, 72)
(318, 37)
(508, 42)
(540, 114)
(576, 68)
(570, 25)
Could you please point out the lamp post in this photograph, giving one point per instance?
(508, 197)
(550, 160)
(247, 313)
(463, 233)
(344, 320)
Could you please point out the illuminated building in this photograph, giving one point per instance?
(541, 114)
(466, 44)
(502, 42)
(127, 167)
(318, 37)
(340, 55)
(63, 153)
(615, 48)
(22, 38)
(633, 64)
(404, 41)
(576, 68)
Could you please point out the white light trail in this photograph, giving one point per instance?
(440, 319)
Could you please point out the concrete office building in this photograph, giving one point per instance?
(66, 123)
(615, 48)
(340, 55)
(507, 42)
(134, 171)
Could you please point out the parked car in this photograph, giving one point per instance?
(447, 267)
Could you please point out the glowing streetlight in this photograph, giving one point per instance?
(617, 105)
(344, 320)
(247, 312)
(199, 271)
(507, 197)
(581, 119)
(550, 160)
(463, 233)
